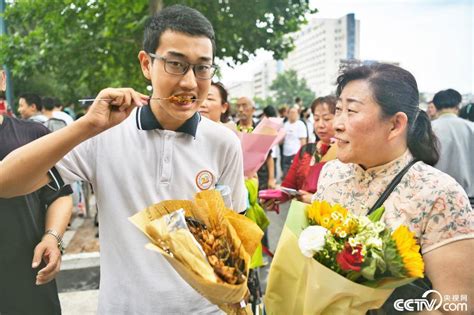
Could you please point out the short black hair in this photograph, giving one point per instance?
(177, 18)
(270, 111)
(449, 98)
(31, 99)
(48, 103)
(57, 102)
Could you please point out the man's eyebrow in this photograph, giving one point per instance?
(206, 59)
(181, 55)
(176, 54)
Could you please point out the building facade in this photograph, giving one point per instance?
(239, 89)
(264, 77)
(319, 47)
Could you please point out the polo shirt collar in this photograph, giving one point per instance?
(146, 120)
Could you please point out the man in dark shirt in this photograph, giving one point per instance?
(31, 227)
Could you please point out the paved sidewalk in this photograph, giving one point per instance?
(79, 302)
(78, 280)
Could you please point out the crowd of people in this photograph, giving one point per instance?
(136, 150)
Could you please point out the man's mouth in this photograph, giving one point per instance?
(182, 99)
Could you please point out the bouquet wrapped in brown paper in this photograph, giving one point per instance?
(207, 244)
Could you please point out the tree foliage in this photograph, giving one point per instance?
(288, 86)
(263, 102)
(75, 48)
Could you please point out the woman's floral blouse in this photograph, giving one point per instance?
(431, 203)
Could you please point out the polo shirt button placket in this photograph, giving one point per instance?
(167, 152)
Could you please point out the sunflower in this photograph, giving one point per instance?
(317, 211)
(409, 251)
(335, 218)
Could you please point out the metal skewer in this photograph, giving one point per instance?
(92, 99)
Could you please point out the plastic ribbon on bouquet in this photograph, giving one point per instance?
(256, 213)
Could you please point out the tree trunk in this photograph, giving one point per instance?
(155, 6)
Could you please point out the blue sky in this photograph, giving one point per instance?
(432, 39)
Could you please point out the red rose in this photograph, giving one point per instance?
(350, 258)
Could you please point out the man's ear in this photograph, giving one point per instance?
(145, 63)
(399, 125)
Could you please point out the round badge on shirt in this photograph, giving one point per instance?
(204, 180)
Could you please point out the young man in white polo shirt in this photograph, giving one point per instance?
(161, 151)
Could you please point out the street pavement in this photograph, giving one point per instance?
(78, 280)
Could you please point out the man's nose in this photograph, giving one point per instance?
(188, 81)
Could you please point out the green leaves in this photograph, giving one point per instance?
(377, 214)
(73, 44)
(288, 86)
(385, 269)
(392, 258)
(374, 265)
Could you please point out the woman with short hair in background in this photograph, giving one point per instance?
(304, 171)
(216, 107)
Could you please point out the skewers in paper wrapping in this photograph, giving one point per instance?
(221, 253)
(242, 237)
(170, 233)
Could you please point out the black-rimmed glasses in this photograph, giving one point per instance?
(176, 67)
